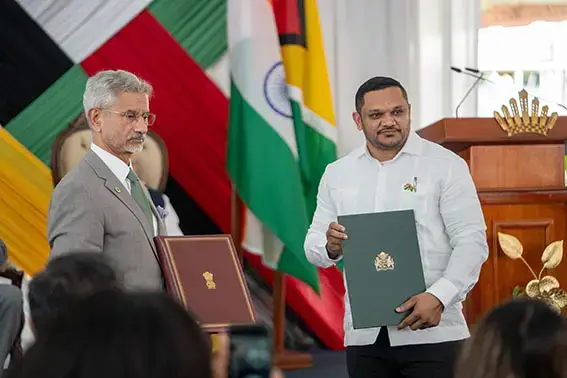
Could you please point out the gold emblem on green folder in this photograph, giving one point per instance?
(384, 261)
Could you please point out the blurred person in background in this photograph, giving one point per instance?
(167, 212)
(523, 338)
(114, 334)
(117, 334)
(11, 308)
(65, 280)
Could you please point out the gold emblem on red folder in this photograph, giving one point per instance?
(384, 261)
(208, 276)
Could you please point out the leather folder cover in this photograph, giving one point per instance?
(382, 266)
(204, 273)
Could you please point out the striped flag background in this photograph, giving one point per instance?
(49, 48)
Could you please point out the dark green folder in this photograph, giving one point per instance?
(374, 288)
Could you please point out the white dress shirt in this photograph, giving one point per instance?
(172, 219)
(120, 170)
(449, 220)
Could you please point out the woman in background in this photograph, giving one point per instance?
(523, 338)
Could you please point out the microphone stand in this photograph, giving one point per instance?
(477, 81)
(471, 72)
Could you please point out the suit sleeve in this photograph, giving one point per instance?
(74, 223)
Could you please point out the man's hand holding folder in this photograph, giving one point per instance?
(335, 236)
(423, 309)
(426, 313)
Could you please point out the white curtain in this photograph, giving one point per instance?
(413, 41)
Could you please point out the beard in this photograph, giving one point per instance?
(132, 145)
(390, 138)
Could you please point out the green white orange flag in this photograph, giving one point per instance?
(277, 148)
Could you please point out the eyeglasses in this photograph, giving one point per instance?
(131, 116)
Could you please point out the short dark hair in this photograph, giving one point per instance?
(120, 335)
(376, 83)
(65, 279)
(523, 337)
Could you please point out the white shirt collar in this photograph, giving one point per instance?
(413, 146)
(116, 166)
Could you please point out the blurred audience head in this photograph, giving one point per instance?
(523, 338)
(65, 279)
(115, 334)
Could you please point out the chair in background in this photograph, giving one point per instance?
(150, 164)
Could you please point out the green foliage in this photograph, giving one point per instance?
(517, 292)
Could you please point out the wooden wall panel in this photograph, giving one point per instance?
(535, 225)
(522, 166)
(521, 185)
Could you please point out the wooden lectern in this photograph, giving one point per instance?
(520, 180)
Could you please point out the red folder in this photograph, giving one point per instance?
(204, 273)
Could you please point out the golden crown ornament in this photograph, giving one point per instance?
(520, 121)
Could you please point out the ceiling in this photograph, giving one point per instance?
(486, 3)
(521, 12)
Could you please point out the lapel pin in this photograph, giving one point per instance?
(411, 187)
(117, 189)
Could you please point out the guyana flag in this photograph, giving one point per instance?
(309, 89)
(281, 131)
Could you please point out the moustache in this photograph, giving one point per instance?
(139, 138)
(389, 130)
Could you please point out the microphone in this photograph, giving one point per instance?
(475, 84)
(479, 76)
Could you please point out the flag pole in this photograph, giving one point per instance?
(236, 229)
(283, 358)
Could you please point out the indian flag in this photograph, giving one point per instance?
(277, 147)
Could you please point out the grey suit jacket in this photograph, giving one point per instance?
(91, 211)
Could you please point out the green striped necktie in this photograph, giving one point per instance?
(140, 198)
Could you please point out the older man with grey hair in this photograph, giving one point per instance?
(101, 205)
(11, 308)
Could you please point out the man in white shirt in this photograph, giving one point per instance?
(396, 170)
(101, 205)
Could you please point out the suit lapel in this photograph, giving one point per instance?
(119, 191)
